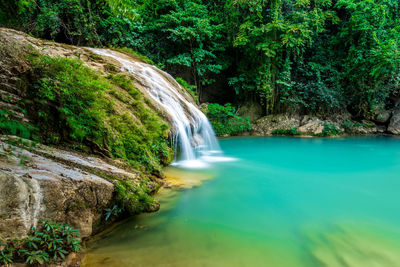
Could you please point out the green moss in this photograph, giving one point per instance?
(95, 57)
(134, 197)
(111, 68)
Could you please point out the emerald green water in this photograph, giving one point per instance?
(285, 202)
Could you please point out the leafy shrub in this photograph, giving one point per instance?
(66, 95)
(6, 254)
(330, 129)
(291, 131)
(226, 121)
(54, 241)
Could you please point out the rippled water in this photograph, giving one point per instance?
(285, 202)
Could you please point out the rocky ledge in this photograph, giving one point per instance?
(42, 183)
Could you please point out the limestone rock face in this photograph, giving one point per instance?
(394, 125)
(34, 188)
(311, 125)
(267, 124)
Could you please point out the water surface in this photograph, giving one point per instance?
(285, 202)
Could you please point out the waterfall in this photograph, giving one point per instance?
(194, 138)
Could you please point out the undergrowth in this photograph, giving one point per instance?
(226, 121)
(330, 129)
(291, 131)
(51, 242)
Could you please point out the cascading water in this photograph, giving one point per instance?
(194, 137)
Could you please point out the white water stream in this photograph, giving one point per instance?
(194, 139)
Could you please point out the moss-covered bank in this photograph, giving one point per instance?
(87, 129)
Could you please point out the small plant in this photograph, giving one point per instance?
(6, 254)
(35, 257)
(330, 129)
(292, 131)
(24, 160)
(113, 212)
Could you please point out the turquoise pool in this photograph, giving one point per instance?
(283, 202)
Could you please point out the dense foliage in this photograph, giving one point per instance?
(302, 55)
(53, 241)
(226, 121)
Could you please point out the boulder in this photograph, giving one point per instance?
(265, 125)
(34, 188)
(251, 109)
(311, 125)
(394, 125)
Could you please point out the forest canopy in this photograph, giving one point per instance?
(320, 56)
